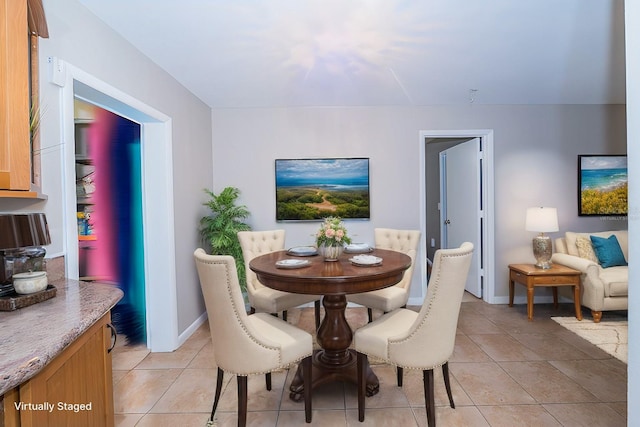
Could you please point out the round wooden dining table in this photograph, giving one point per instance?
(334, 361)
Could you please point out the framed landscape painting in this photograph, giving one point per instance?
(313, 189)
(602, 185)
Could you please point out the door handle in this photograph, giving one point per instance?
(114, 336)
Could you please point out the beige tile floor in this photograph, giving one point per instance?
(505, 371)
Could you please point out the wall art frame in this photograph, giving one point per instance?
(315, 188)
(602, 185)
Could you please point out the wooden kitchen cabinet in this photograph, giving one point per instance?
(80, 375)
(21, 22)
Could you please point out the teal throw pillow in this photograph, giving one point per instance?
(608, 251)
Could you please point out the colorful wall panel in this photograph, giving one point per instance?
(116, 217)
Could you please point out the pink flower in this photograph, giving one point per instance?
(339, 234)
(329, 232)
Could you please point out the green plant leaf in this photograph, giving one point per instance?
(219, 230)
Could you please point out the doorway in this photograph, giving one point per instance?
(109, 201)
(157, 194)
(431, 144)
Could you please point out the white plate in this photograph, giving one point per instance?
(292, 263)
(366, 260)
(303, 251)
(358, 248)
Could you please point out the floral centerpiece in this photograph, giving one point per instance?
(331, 238)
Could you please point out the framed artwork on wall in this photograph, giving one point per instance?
(602, 185)
(313, 189)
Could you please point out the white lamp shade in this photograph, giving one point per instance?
(542, 219)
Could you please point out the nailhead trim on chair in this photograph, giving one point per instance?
(235, 311)
(427, 372)
(211, 289)
(424, 319)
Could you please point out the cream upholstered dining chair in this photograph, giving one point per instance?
(262, 298)
(420, 340)
(247, 344)
(395, 296)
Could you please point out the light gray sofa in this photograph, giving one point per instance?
(603, 289)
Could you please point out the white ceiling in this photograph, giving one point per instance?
(265, 53)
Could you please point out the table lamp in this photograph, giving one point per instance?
(542, 220)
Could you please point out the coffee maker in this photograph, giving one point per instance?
(22, 237)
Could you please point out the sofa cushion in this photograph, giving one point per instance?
(585, 249)
(616, 281)
(570, 238)
(608, 251)
(621, 235)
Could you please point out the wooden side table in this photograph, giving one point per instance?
(531, 276)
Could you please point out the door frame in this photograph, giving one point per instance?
(157, 187)
(488, 231)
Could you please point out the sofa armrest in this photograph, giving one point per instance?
(593, 288)
(572, 261)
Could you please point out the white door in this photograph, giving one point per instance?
(460, 204)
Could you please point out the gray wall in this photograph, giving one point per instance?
(535, 160)
(80, 39)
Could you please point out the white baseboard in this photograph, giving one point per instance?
(543, 299)
(415, 301)
(546, 299)
(184, 336)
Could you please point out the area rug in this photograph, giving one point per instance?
(610, 335)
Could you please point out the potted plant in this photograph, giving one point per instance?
(219, 230)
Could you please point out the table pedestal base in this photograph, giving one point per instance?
(323, 373)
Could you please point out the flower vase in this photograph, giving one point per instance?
(331, 252)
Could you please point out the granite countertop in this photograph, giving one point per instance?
(32, 336)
